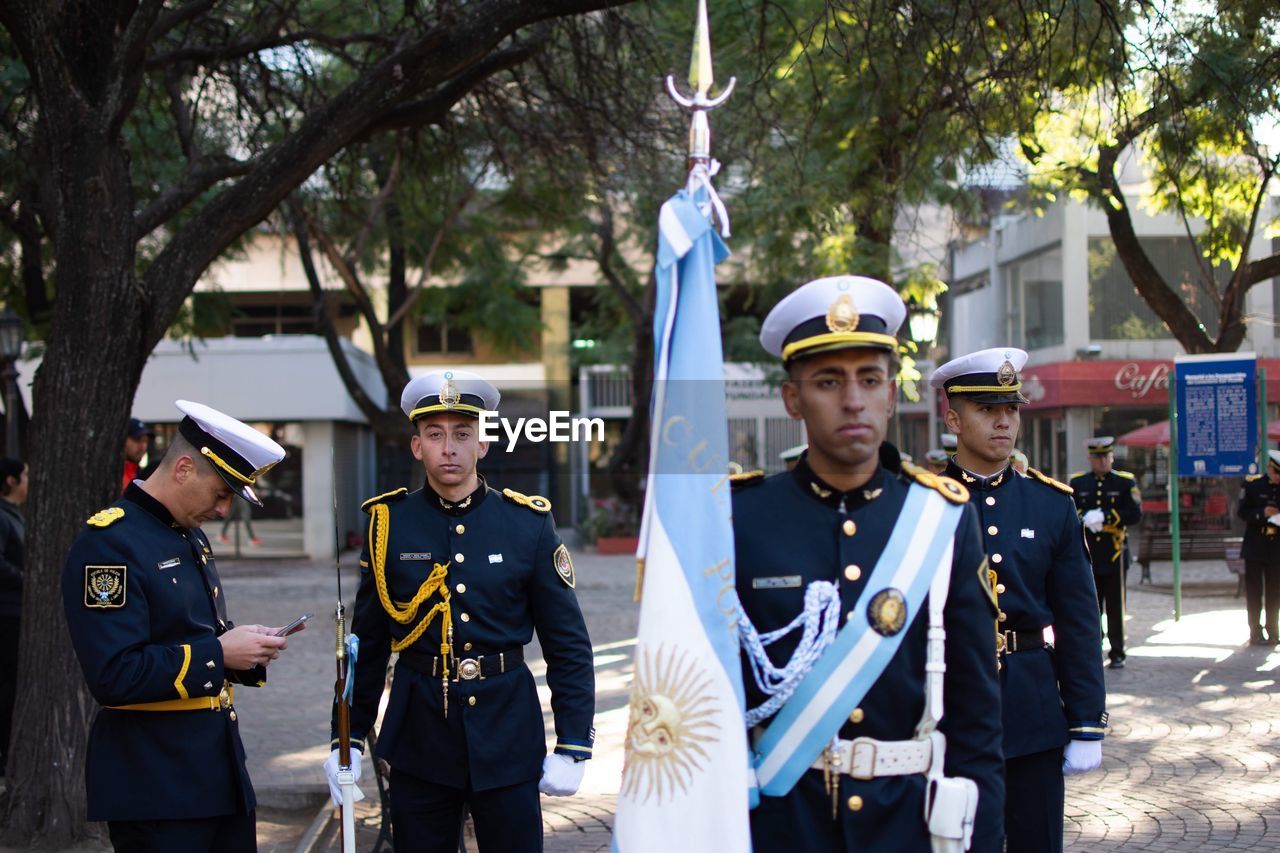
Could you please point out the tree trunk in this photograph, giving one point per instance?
(91, 205)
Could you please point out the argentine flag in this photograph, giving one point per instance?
(685, 781)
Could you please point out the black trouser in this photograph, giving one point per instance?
(1033, 802)
(1262, 583)
(1111, 602)
(427, 818)
(235, 833)
(8, 681)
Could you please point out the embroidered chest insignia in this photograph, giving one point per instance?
(778, 582)
(169, 563)
(495, 558)
(564, 566)
(1028, 533)
(104, 586)
(415, 555)
(887, 612)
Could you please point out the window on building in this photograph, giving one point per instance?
(275, 318)
(443, 339)
(1035, 300)
(1117, 312)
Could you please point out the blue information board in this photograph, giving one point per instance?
(1217, 414)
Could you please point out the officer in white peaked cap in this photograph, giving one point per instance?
(148, 619)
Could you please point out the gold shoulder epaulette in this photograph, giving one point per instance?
(1128, 475)
(105, 517)
(537, 503)
(385, 497)
(1249, 478)
(1049, 481)
(746, 478)
(947, 487)
(1075, 474)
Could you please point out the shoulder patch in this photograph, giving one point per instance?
(1049, 481)
(745, 479)
(1075, 474)
(385, 497)
(537, 503)
(1128, 475)
(947, 487)
(105, 517)
(564, 566)
(105, 587)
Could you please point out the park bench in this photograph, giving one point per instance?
(1194, 545)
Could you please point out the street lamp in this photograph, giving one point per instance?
(923, 321)
(12, 333)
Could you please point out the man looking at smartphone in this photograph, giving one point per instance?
(148, 620)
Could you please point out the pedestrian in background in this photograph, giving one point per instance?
(13, 494)
(1260, 509)
(137, 440)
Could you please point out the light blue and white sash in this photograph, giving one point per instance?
(918, 546)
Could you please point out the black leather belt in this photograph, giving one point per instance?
(464, 669)
(1020, 641)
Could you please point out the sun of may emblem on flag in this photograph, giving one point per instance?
(672, 711)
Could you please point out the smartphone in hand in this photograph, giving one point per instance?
(294, 626)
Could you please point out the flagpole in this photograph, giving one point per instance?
(701, 168)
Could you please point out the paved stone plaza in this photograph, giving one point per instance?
(1190, 763)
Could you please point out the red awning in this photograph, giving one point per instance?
(1151, 435)
(1157, 435)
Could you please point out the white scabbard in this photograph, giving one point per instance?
(347, 780)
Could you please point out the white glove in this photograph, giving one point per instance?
(561, 775)
(331, 773)
(1274, 519)
(1081, 756)
(1093, 519)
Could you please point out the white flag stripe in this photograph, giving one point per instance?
(651, 824)
(673, 231)
(831, 689)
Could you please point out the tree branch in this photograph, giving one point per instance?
(200, 176)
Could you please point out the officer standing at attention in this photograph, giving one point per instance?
(148, 620)
(1053, 694)
(1259, 505)
(1109, 503)
(821, 547)
(456, 577)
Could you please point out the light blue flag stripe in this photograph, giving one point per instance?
(794, 755)
(691, 464)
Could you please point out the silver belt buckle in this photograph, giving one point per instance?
(468, 669)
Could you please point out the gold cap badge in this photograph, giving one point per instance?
(842, 316)
(450, 396)
(1006, 375)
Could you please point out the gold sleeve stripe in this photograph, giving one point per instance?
(182, 673)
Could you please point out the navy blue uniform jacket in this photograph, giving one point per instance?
(793, 524)
(145, 608)
(1116, 494)
(1261, 540)
(1034, 541)
(508, 575)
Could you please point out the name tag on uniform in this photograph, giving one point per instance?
(169, 563)
(415, 555)
(778, 582)
(495, 558)
(1028, 533)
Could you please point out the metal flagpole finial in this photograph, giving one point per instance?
(700, 78)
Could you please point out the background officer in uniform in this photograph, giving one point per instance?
(475, 570)
(1053, 695)
(148, 619)
(1109, 504)
(936, 460)
(829, 520)
(1259, 504)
